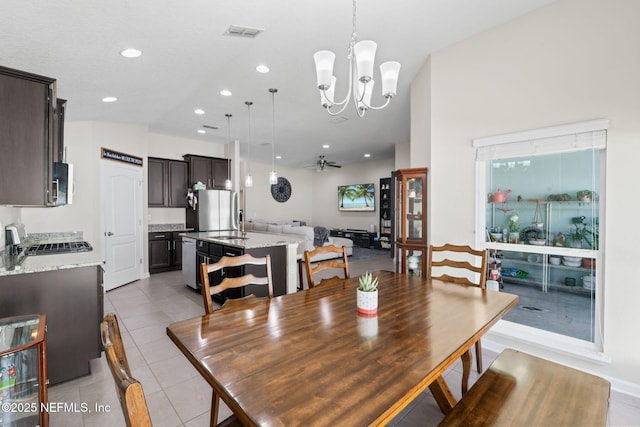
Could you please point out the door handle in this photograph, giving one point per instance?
(108, 234)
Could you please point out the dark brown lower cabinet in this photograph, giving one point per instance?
(165, 251)
(72, 300)
(209, 252)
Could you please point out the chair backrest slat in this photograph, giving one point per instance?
(449, 258)
(234, 282)
(335, 263)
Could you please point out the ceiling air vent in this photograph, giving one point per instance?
(211, 127)
(339, 120)
(238, 31)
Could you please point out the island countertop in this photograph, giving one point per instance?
(248, 240)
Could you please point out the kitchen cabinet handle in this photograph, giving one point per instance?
(229, 254)
(168, 245)
(159, 236)
(174, 245)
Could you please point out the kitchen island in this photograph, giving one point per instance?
(68, 289)
(213, 245)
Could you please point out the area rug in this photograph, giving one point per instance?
(366, 253)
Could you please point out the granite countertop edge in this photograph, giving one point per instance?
(253, 240)
(36, 264)
(162, 228)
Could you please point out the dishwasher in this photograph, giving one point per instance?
(189, 263)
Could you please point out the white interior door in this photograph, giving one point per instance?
(122, 210)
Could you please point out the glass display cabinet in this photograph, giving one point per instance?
(410, 214)
(23, 371)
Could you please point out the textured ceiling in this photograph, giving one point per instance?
(187, 60)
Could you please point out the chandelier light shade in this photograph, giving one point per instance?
(227, 183)
(273, 175)
(324, 68)
(361, 57)
(389, 72)
(365, 54)
(248, 179)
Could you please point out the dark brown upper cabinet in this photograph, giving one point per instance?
(28, 138)
(167, 183)
(211, 171)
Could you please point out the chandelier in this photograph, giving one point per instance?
(361, 57)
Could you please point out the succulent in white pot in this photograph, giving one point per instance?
(367, 294)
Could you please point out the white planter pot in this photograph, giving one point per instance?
(367, 302)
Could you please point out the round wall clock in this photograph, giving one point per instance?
(282, 190)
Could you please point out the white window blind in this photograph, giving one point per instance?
(552, 140)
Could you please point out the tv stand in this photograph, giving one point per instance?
(361, 238)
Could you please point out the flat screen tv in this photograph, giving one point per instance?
(356, 198)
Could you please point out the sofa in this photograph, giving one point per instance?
(304, 232)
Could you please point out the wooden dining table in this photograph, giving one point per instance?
(309, 359)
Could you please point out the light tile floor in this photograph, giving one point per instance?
(177, 395)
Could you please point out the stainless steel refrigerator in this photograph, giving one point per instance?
(215, 210)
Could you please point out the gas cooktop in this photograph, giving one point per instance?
(58, 248)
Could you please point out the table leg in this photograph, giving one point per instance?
(466, 370)
(442, 394)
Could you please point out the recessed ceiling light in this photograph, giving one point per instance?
(131, 53)
(225, 92)
(367, 155)
(326, 146)
(262, 69)
(199, 111)
(278, 157)
(109, 99)
(202, 131)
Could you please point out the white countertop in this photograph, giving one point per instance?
(251, 240)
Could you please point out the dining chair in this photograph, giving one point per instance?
(462, 265)
(314, 267)
(130, 393)
(232, 283)
(242, 261)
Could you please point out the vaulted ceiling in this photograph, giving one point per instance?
(187, 60)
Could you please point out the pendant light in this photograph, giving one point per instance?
(248, 179)
(273, 175)
(227, 183)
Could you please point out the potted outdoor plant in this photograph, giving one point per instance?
(584, 234)
(514, 229)
(367, 294)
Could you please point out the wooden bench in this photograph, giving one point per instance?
(519, 389)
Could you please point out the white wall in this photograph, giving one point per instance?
(402, 156)
(261, 205)
(571, 61)
(325, 193)
(421, 117)
(83, 151)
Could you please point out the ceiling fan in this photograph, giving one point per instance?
(322, 163)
